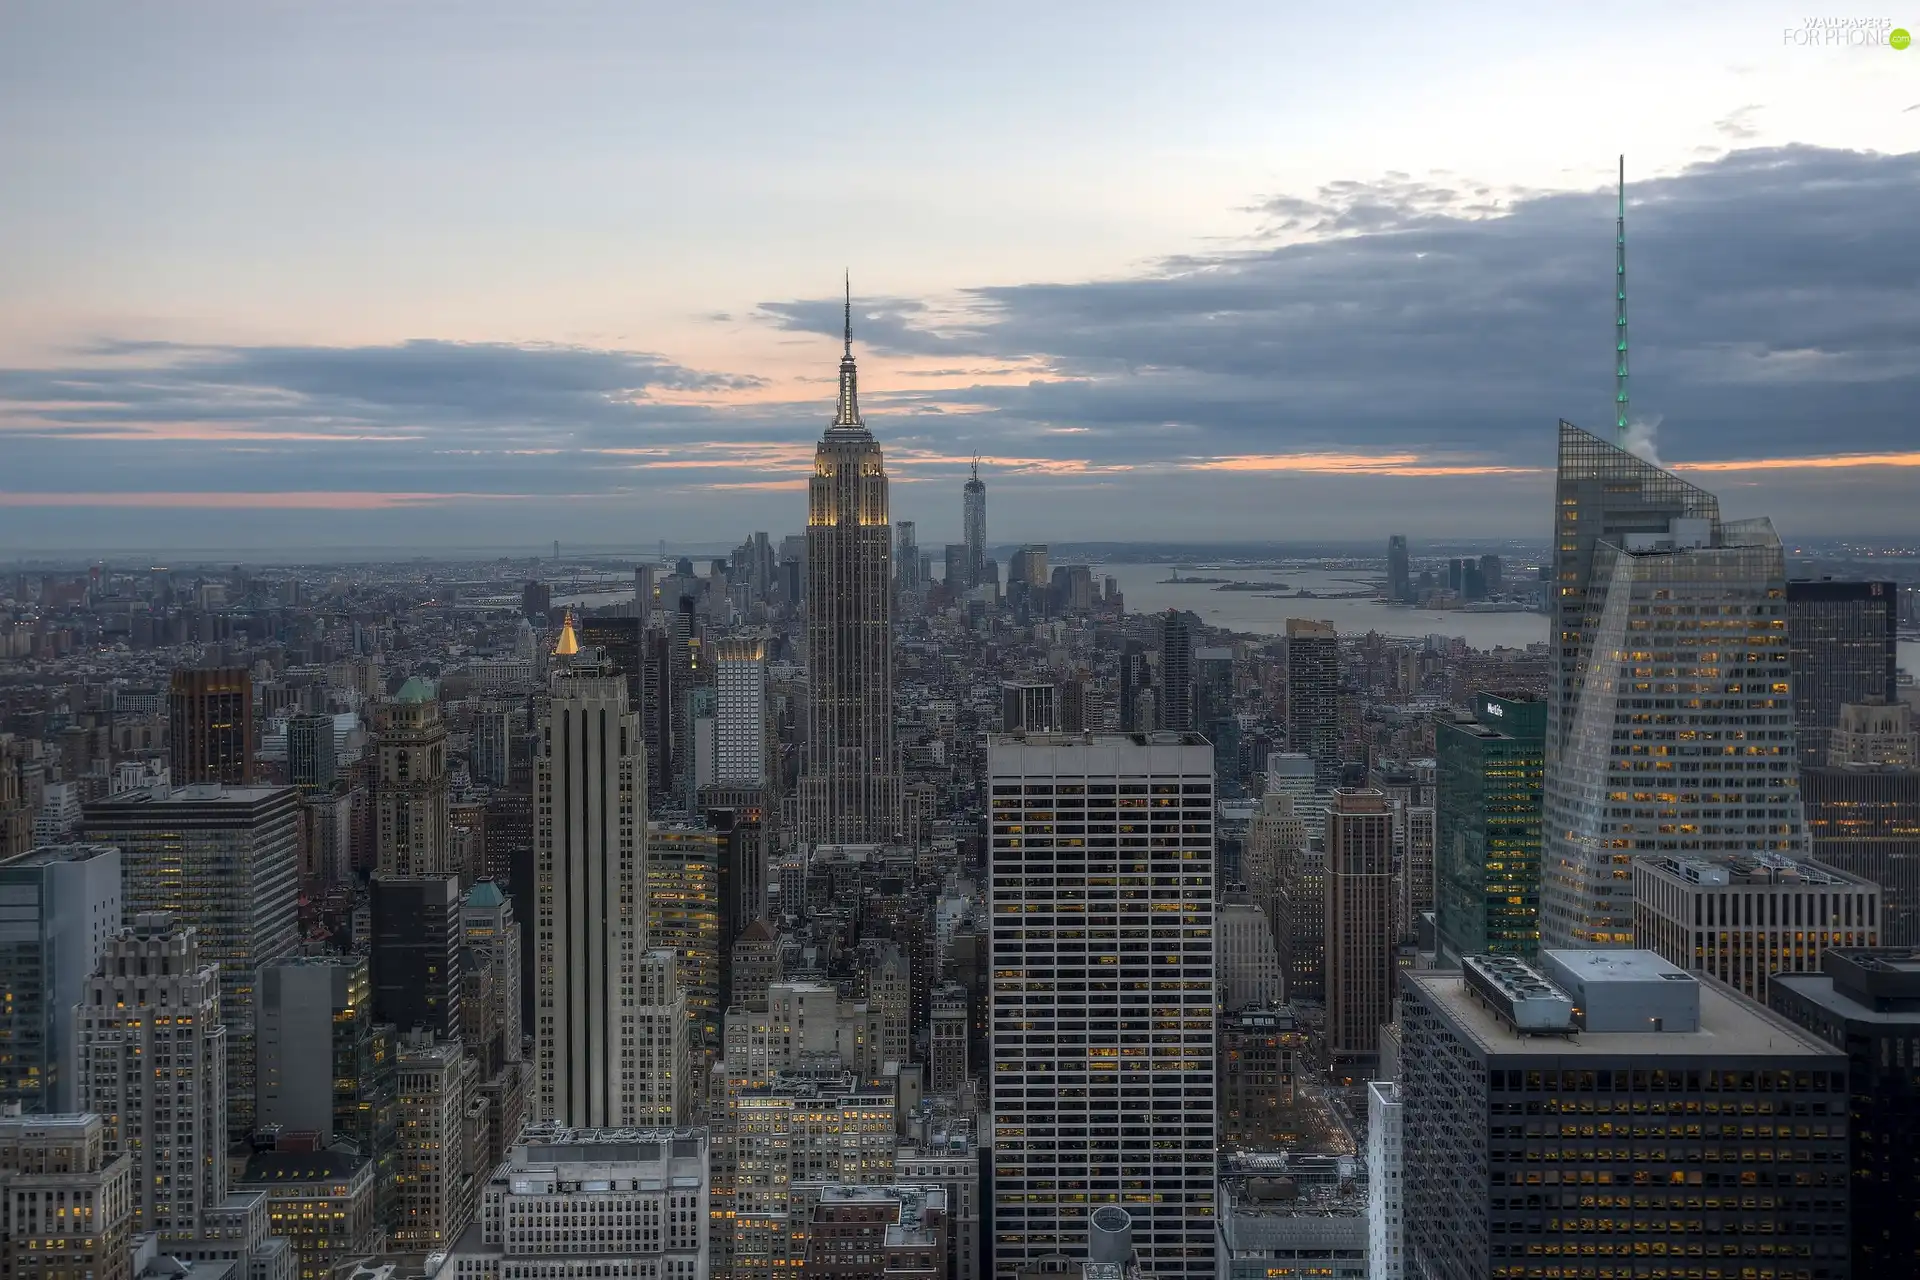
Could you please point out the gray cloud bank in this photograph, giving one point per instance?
(1774, 314)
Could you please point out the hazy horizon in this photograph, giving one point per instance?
(1234, 272)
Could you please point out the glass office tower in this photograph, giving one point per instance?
(1487, 798)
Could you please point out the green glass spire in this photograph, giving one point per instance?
(1620, 311)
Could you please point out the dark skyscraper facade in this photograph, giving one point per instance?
(1867, 1005)
(310, 756)
(1176, 671)
(850, 791)
(417, 936)
(1313, 697)
(974, 526)
(1842, 642)
(1135, 679)
(1488, 788)
(1865, 820)
(1399, 579)
(210, 726)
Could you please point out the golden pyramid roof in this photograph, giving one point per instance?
(569, 642)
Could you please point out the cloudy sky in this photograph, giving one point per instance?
(483, 276)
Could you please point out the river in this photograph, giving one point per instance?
(1146, 591)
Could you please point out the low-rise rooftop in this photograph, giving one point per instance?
(1729, 1026)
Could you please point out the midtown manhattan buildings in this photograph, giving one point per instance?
(1101, 854)
(224, 860)
(850, 787)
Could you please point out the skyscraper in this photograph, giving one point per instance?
(1313, 697)
(1843, 637)
(1498, 1066)
(643, 594)
(1682, 735)
(154, 1063)
(1103, 1089)
(491, 752)
(906, 556)
(59, 910)
(310, 754)
(323, 1068)
(224, 860)
(1864, 818)
(492, 939)
(740, 713)
(418, 931)
(610, 1020)
(412, 833)
(973, 526)
(210, 726)
(1399, 579)
(1359, 925)
(850, 793)
(1602, 493)
(1176, 671)
(1866, 1004)
(1135, 680)
(1487, 833)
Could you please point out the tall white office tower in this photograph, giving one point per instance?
(850, 792)
(612, 1029)
(740, 713)
(974, 527)
(153, 1057)
(1682, 737)
(1386, 1233)
(1102, 869)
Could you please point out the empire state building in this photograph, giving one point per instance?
(850, 792)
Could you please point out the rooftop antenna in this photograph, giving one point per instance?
(1620, 312)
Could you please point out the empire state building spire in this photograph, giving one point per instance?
(850, 781)
(846, 416)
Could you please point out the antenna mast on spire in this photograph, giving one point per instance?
(976, 466)
(849, 280)
(1620, 312)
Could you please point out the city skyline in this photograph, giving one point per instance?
(493, 785)
(1258, 350)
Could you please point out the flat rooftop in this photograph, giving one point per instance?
(1158, 738)
(1746, 870)
(1729, 1026)
(1617, 965)
(48, 854)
